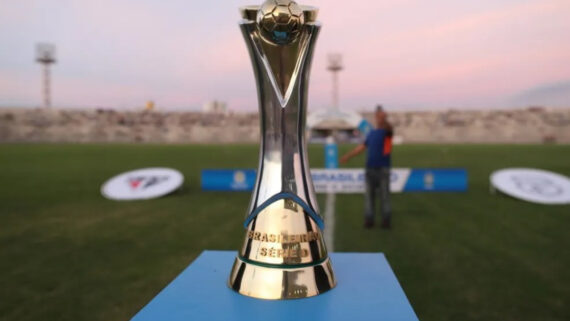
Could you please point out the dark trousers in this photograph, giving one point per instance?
(378, 185)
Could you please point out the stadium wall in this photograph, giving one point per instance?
(531, 125)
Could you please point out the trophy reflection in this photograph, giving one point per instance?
(284, 255)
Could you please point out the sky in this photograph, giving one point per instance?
(405, 54)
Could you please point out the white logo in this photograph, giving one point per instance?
(533, 185)
(142, 184)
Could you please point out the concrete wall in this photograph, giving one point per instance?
(533, 125)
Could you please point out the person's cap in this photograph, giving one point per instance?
(379, 108)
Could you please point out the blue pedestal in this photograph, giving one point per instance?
(367, 290)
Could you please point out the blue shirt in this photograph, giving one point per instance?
(379, 145)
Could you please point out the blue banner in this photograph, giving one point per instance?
(346, 181)
(228, 180)
(437, 180)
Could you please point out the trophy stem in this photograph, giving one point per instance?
(284, 254)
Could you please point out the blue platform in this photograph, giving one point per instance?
(367, 290)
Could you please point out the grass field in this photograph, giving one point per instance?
(68, 254)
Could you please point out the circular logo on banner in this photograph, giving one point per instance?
(533, 185)
(142, 184)
(239, 177)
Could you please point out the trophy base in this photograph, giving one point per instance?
(268, 282)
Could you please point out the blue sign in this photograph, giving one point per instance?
(331, 155)
(364, 127)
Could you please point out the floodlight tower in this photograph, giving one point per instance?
(45, 55)
(335, 66)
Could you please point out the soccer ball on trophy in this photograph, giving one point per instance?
(280, 21)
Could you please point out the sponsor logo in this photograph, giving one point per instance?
(338, 176)
(239, 180)
(538, 185)
(239, 177)
(143, 182)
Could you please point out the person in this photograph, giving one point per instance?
(378, 144)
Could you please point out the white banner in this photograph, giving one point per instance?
(350, 181)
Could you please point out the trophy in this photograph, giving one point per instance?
(284, 254)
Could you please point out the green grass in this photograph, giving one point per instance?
(68, 254)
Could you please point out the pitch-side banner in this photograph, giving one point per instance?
(347, 181)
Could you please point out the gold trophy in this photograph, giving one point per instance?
(284, 255)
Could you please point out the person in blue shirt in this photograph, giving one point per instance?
(378, 145)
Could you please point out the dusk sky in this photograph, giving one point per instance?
(406, 54)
